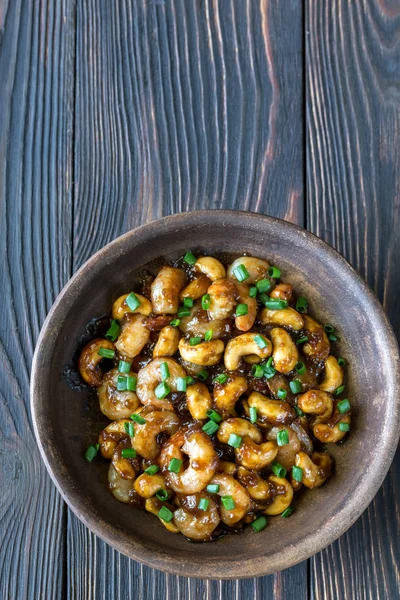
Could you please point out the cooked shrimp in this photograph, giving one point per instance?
(150, 377)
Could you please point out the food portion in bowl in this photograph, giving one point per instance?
(222, 393)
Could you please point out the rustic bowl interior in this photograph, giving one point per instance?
(66, 421)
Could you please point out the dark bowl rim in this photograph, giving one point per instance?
(252, 567)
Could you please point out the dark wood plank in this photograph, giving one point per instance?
(181, 105)
(36, 100)
(353, 191)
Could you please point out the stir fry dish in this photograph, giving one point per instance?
(222, 395)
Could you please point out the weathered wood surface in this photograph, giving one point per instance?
(116, 113)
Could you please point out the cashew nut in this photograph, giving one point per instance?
(317, 348)
(134, 335)
(331, 433)
(194, 523)
(122, 489)
(283, 291)
(205, 353)
(198, 400)
(225, 466)
(147, 485)
(273, 411)
(243, 345)
(283, 495)
(227, 394)
(316, 469)
(257, 487)
(287, 317)
(257, 268)
(228, 486)
(153, 505)
(120, 308)
(203, 460)
(165, 290)
(240, 427)
(150, 376)
(145, 439)
(251, 453)
(333, 375)
(246, 322)
(89, 360)
(223, 299)
(111, 436)
(116, 404)
(211, 267)
(197, 323)
(167, 343)
(196, 288)
(124, 466)
(316, 402)
(285, 353)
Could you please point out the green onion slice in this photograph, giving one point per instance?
(138, 419)
(162, 390)
(302, 340)
(183, 311)
(210, 427)
(124, 367)
(263, 286)
(189, 380)
(341, 362)
(131, 383)
(121, 383)
(228, 502)
(106, 353)
(130, 429)
(162, 495)
(295, 386)
(128, 453)
(241, 273)
(259, 524)
(252, 291)
(190, 258)
(152, 470)
(301, 304)
(281, 393)
(193, 341)
(329, 328)
(300, 368)
(113, 331)
(241, 310)
(165, 514)
(91, 452)
(297, 474)
(333, 338)
(181, 384)
(278, 470)
(343, 406)
(274, 272)
(175, 465)
(164, 371)
(298, 410)
(213, 488)
(339, 390)
(175, 322)
(214, 416)
(203, 504)
(287, 512)
(260, 341)
(206, 301)
(222, 378)
(188, 302)
(282, 437)
(202, 375)
(208, 335)
(234, 440)
(132, 301)
(344, 426)
(253, 414)
(257, 371)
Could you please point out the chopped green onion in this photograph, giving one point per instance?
(128, 453)
(339, 390)
(164, 371)
(263, 286)
(162, 495)
(302, 340)
(208, 335)
(165, 514)
(222, 378)
(132, 301)
(241, 273)
(210, 427)
(274, 272)
(175, 465)
(259, 524)
(253, 414)
(152, 470)
(121, 383)
(124, 367)
(193, 341)
(263, 298)
(278, 470)
(344, 426)
(131, 383)
(257, 371)
(190, 258)
(202, 375)
(341, 362)
(138, 419)
(281, 393)
(183, 311)
(206, 301)
(297, 474)
(287, 512)
(91, 452)
(214, 416)
(295, 386)
(343, 406)
(241, 310)
(298, 410)
(175, 322)
(269, 362)
(252, 291)
(301, 304)
(189, 380)
(203, 504)
(162, 390)
(234, 440)
(282, 437)
(260, 341)
(269, 372)
(114, 330)
(106, 353)
(228, 502)
(332, 337)
(213, 488)
(329, 328)
(188, 302)
(130, 429)
(181, 384)
(276, 303)
(300, 368)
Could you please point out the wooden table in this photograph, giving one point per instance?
(116, 112)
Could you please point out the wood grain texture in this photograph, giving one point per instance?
(36, 96)
(181, 105)
(353, 202)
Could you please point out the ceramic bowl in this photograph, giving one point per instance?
(66, 421)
